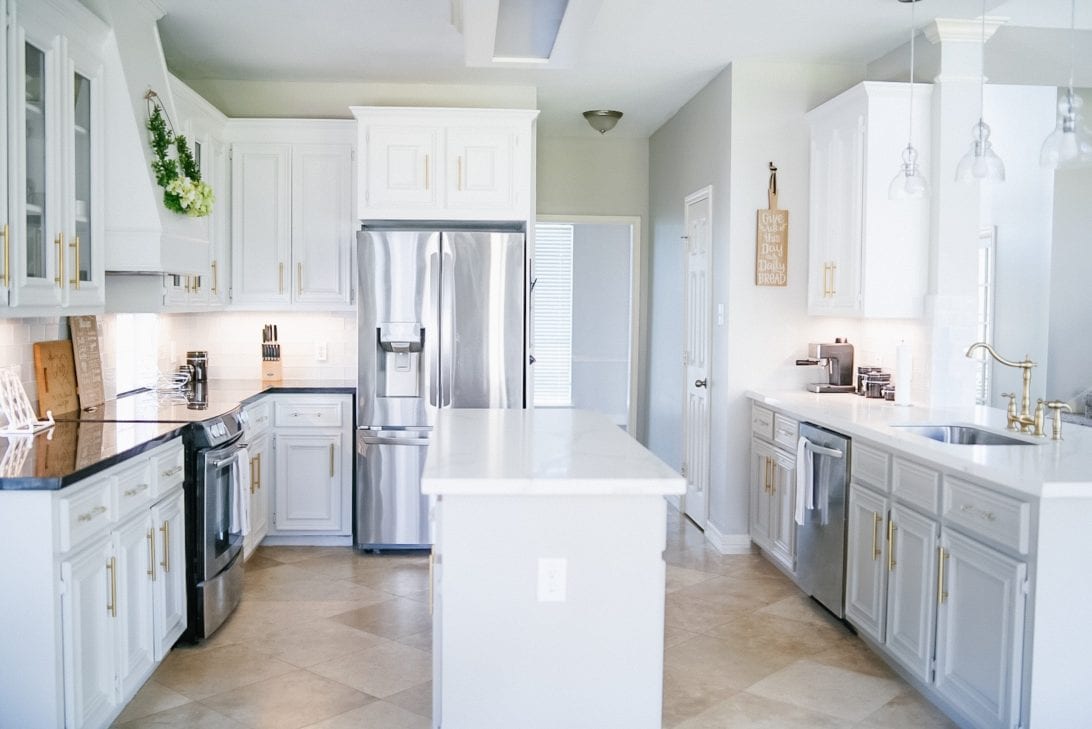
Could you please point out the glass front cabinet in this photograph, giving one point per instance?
(53, 207)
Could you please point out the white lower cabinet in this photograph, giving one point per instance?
(261, 484)
(100, 579)
(946, 607)
(773, 483)
(980, 629)
(312, 493)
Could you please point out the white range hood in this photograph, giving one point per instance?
(142, 236)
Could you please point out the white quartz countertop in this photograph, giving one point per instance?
(540, 452)
(1047, 469)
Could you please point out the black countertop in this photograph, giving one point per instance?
(85, 442)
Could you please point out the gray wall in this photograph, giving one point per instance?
(601, 319)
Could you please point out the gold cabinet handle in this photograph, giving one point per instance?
(166, 563)
(136, 489)
(426, 172)
(252, 480)
(876, 519)
(299, 279)
(112, 606)
(331, 460)
(215, 278)
(151, 553)
(75, 280)
(259, 470)
(891, 529)
(459, 173)
(7, 257)
(765, 474)
(280, 277)
(942, 594)
(833, 279)
(171, 472)
(773, 476)
(88, 516)
(59, 242)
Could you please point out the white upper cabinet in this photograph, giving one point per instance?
(867, 254)
(292, 214)
(446, 164)
(53, 207)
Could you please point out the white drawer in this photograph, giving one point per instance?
(870, 466)
(259, 416)
(168, 468)
(785, 431)
(762, 422)
(85, 512)
(915, 484)
(308, 415)
(992, 515)
(134, 487)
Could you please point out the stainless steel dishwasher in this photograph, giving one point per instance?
(821, 518)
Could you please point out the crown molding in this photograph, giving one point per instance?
(961, 30)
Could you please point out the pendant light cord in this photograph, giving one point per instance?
(982, 69)
(913, 34)
(1072, 44)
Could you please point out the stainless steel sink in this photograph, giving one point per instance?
(962, 435)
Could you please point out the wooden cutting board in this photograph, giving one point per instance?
(772, 240)
(88, 359)
(55, 373)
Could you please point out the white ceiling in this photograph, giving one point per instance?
(644, 57)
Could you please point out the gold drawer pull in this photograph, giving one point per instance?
(987, 515)
(331, 460)
(112, 606)
(171, 472)
(88, 516)
(75, 280)
(942, 594)
(166, 563)
(151, 553)
(891, 529)
(215, 278)
(876, 519)
(136, 489)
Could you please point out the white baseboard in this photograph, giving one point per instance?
(727, 543)
(307, 541)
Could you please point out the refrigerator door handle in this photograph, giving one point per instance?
(447, 327)
(435, 346)
(380, 440)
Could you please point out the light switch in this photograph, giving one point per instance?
(552, 579)
(321, 351)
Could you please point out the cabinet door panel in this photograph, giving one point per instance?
(980, 628)
(308, 491)
(133, 632)
(88, 636)
(402, 167)
(261, 210)
(322, 222)
(6, 173)
(866, 562)
(169, 522)
(762, 458)
(911, 586)
(782, 510)
(84, 274)
(261, 485)
(479, 168)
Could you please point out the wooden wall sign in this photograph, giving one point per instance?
(85, 351)
(772, 240)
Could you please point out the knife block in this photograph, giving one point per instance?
(272, 370)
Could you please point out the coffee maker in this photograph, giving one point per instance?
(837, 358)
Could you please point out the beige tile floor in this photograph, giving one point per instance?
(327, 638)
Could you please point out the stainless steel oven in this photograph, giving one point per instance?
(214, 536)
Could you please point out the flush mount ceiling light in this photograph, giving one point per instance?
(909, 183)
(1069, 144)
(981, 162)
(602, 120)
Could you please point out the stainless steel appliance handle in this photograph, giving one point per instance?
(433, 346)
(823, 451)
(379, 440)
(447, 326)
(218, 463)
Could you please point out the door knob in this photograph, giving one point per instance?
(699, 383)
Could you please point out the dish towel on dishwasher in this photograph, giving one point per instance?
(805, 480)
(240, 493)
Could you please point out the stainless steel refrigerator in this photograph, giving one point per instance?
(442, 324)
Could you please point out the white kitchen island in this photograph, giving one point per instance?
(548, 571)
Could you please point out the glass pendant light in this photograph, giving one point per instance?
(1070, 144)
(909, 183)
(981, 162)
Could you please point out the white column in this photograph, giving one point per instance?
(951, 306)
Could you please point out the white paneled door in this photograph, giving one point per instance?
(698, 222)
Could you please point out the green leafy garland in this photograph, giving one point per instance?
(183, 190)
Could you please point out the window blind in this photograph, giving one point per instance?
(553, 325)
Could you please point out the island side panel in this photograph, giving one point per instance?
(506, 659)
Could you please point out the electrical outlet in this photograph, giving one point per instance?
(320, 351)
(552, 579)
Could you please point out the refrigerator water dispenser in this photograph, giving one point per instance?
(398, 359)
